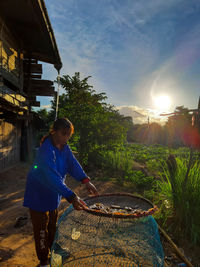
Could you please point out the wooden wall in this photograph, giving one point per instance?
(10, 57)
(10, 142)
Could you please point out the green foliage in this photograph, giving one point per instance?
(154, 165)
(185, 201)
(41, 122)
(140, 180)
(118, 163)
(46, 119)
(97, 124)
(43, 114)
(115, 163)
(145, 153)
(178, 203)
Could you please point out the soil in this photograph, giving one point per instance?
(16, 238)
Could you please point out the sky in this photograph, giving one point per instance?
(135, 50)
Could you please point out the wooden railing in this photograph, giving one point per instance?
(10, 64)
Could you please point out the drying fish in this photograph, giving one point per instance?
(116, 210)
(128, 208)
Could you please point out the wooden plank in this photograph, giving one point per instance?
(43, 94)
(25, 117)
(33, 68)
(36, 76)
(9, 96)
(28, 76)
(38, 83)
(35, 103)
(41, 88)
(174, 246)
(48, 92)
(41, 82)
(31, 98)
(27, 60)
(9, 76)
(9, 144)
(36, 68)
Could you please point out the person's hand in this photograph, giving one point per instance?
(91, 189)
(78, 203)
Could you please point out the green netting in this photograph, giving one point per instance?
(86, 239)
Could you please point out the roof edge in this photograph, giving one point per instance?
(41, 3)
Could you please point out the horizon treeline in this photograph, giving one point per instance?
(98, 125)
(177, 131)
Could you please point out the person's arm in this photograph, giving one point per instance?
(54, 181)
(78, 203)
(91, 188)
(76, 171)
(52, 178)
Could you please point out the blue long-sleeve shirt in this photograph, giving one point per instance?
(45, 181)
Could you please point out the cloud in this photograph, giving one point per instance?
(46, 106)
(132, 50)
(92, 40)
(86, 42)
(140, 115)
(187, 51)
(176, 76)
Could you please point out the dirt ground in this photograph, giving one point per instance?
(16, 239)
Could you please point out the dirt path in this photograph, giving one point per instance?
(16, 243)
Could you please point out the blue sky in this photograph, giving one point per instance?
(134, 50)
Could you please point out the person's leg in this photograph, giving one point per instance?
(53, 216)
(40, 222)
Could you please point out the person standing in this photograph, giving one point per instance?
(46, 186)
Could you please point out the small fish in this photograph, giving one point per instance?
(128, 208)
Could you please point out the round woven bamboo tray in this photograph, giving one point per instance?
(142, 206)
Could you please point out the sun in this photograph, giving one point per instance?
(162, 102)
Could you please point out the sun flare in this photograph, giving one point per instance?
(162, 102)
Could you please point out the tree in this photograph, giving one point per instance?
(177, 125)
(97, 124)
(44, 116)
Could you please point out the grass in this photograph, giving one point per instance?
(174, 188)
(183, 199)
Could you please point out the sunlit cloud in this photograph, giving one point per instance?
(140, 116)
(46, 106)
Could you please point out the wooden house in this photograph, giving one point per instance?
(26, 40)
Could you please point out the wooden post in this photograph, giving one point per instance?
(176, 249)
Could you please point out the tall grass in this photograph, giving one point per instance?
(183, 198)
(119, 164)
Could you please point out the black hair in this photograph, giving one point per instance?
(59, 124)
